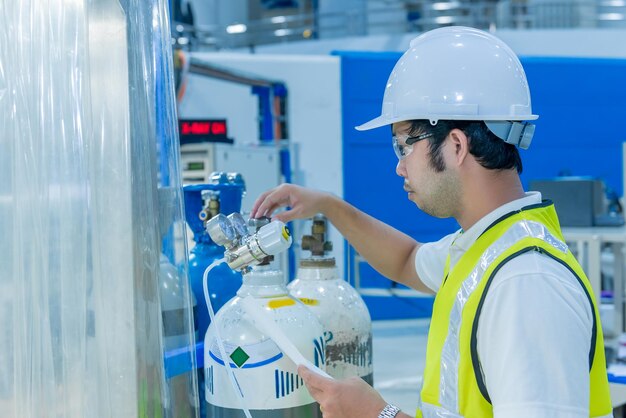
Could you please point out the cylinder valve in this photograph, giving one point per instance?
(243, 249)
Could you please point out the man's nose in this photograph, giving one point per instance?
(400, 169)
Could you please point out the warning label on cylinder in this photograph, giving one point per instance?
(280, 303)
(239, 356)
(310, 302)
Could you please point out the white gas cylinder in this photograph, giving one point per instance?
(339, 307)
(267, 377)
(174, 306)
(343, 314)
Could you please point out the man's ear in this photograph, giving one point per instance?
(460, 145)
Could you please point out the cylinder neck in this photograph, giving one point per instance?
(317, 268)
(263, 281)
(318, 262)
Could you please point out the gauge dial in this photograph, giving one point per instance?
(239, 223)
(221, 230)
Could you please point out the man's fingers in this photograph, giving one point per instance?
(267, 205)
(268, 209)
(271, 202)
(314, 381)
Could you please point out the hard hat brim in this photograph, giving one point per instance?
(375, 123)
(383, 120)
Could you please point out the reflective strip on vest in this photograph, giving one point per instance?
(434, 411)
(450, 357)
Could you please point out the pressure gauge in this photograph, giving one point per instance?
(221, 230)
(239, 223)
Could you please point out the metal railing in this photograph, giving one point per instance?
(398, 16)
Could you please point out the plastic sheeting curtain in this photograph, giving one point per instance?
(90, 209)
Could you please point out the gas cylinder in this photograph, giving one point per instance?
(177, 305)
(223, 194)
(173, 306)
(176, 329)
(339, 307)
(266, 377)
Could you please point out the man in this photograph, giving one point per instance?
(515, 330)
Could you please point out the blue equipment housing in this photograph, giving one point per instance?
(224, 281)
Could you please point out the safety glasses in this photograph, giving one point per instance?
(403, 145)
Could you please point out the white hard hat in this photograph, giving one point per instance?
(457, 73)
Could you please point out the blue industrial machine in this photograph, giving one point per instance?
(203, 201)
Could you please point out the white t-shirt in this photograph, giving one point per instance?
(534, 331)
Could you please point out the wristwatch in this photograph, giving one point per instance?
(389, 411)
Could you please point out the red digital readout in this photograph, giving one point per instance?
(217, 128)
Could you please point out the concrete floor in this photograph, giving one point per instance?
(399, 354)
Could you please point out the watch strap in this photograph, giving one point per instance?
(389, 411)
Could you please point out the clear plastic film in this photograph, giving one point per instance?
(91, 224)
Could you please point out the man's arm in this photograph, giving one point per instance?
(389, 251)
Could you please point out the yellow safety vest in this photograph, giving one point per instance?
(453, 384)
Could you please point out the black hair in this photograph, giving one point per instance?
(490, 151)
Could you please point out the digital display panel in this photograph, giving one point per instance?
(203, 130)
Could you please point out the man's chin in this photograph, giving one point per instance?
(413, 197)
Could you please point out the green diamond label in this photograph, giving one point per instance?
(239, 356)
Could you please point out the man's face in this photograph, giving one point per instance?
(436, 193)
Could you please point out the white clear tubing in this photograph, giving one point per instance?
(220, 343)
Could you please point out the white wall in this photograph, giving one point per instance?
(210, 98)
(314, 112)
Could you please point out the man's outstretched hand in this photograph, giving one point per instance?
(303, 203)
